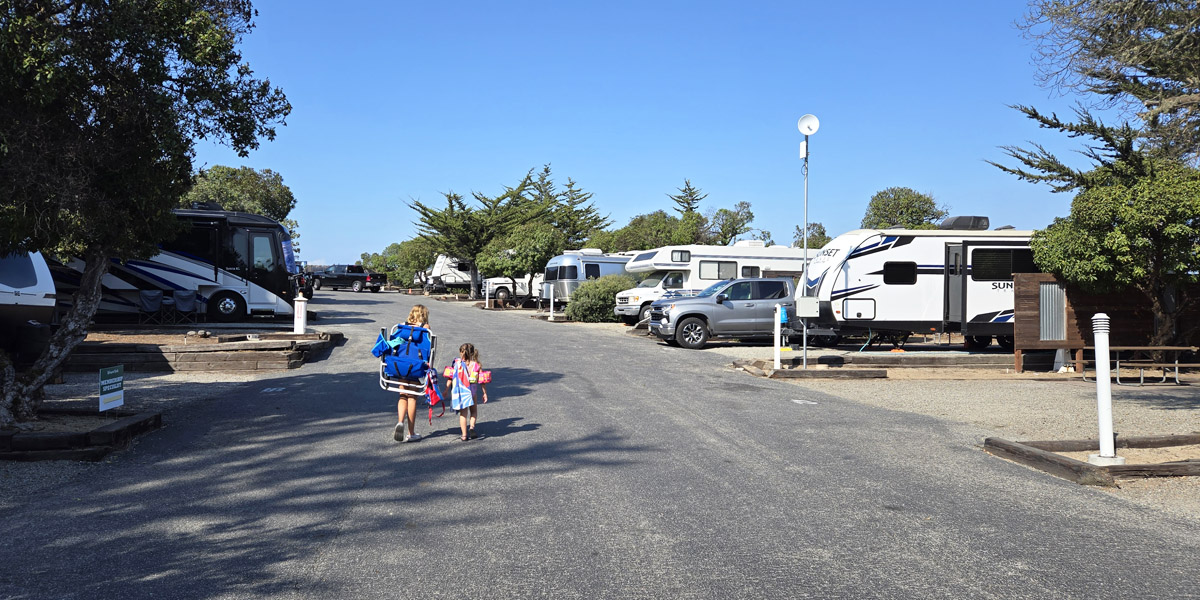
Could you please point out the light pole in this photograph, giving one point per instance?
(808, 125)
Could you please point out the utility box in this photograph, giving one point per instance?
(807, 307)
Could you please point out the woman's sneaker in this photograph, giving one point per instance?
(398, 432)
(412, 437)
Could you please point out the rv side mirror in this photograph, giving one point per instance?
(721, 298)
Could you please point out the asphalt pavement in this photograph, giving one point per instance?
(609, 467)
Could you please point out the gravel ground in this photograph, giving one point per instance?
(1026, 406)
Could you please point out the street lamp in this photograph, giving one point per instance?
(808, 125)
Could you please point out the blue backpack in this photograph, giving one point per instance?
(405, 352)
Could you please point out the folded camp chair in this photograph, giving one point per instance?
(150, 307)
(405, 386)
(185, 306)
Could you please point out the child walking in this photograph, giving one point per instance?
(468, 381)
(406, 407)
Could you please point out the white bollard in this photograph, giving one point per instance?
(551, 303)
(1108, 452)
(778, 334)
(486, 292)
(300, 311)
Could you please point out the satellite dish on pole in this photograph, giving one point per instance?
(808, 124)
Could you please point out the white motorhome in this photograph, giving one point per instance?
(696, 266)
(237, 263)
(893, 282)
(27, 299)
(566, 271)
(445, 273)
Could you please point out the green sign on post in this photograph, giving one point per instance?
(112, 387)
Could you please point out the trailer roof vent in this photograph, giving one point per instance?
(750, 244)
(965, 222)
(1005, 227)
(586, 252)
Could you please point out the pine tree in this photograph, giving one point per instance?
(688, 199)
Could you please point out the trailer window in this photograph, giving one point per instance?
(1000, 264)
(771, 290)
(17, 270)
(681, 256)
(551, 274)
(568, 272)
(751, 272)
(195, 241)
(644, 256)
(591, 271)
(713, 269)
(900, 273)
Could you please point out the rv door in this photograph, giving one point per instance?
(955, 285)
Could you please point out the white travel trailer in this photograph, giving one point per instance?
(27, 299)
(566, 271)
(445, 273)
(894, 282)
(682, 268)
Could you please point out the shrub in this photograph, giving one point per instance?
(594, 300)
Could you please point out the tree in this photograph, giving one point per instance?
(576, 216)
(902, 207)
(764, 236)
(522, 253)
(464, 231)
(652, 230)
(692, 228)
(726, 225)
(246, 190)
(817, 238)
(688, 199)
(1140, 56)
(1131, 230)
(99, 106)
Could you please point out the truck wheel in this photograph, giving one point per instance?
(1005, 341)
(316, 284)
(226, 307)
(502, 296)
(977, 342)
(644, 315)
(357, 286)
(692, 333)
(826, 341)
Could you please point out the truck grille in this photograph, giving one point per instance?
(622, 300)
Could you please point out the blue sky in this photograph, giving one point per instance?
(395, 101)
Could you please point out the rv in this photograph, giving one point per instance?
(566, 271)
(27, 298)
(893, 282)
(444, 274)
(237, 263)
(504, 288)
(678, 269)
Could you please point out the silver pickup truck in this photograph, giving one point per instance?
(737, 308)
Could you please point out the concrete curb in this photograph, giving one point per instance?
(69, 445)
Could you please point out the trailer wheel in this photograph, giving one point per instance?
(316, 284)
(226, 307)
(826, 341)
(502, 296)
(1005, 341)
(357, 286)
(977, 342)
(691, 333)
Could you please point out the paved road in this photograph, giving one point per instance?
(610, 468)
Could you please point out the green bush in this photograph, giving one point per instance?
(594, 300)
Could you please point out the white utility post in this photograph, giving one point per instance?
(551, 303)
(778, 334)
(486, 301)
(300, 312)
(807, 125)
(1108, 451)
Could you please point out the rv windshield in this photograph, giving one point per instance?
(714, 288)
(652, 279)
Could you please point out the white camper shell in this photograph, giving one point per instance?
(503, 288)
(894, 282)
(566, 271)
(684, 269)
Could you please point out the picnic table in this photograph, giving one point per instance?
(1142, 358)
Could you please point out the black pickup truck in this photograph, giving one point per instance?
(348, 276)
